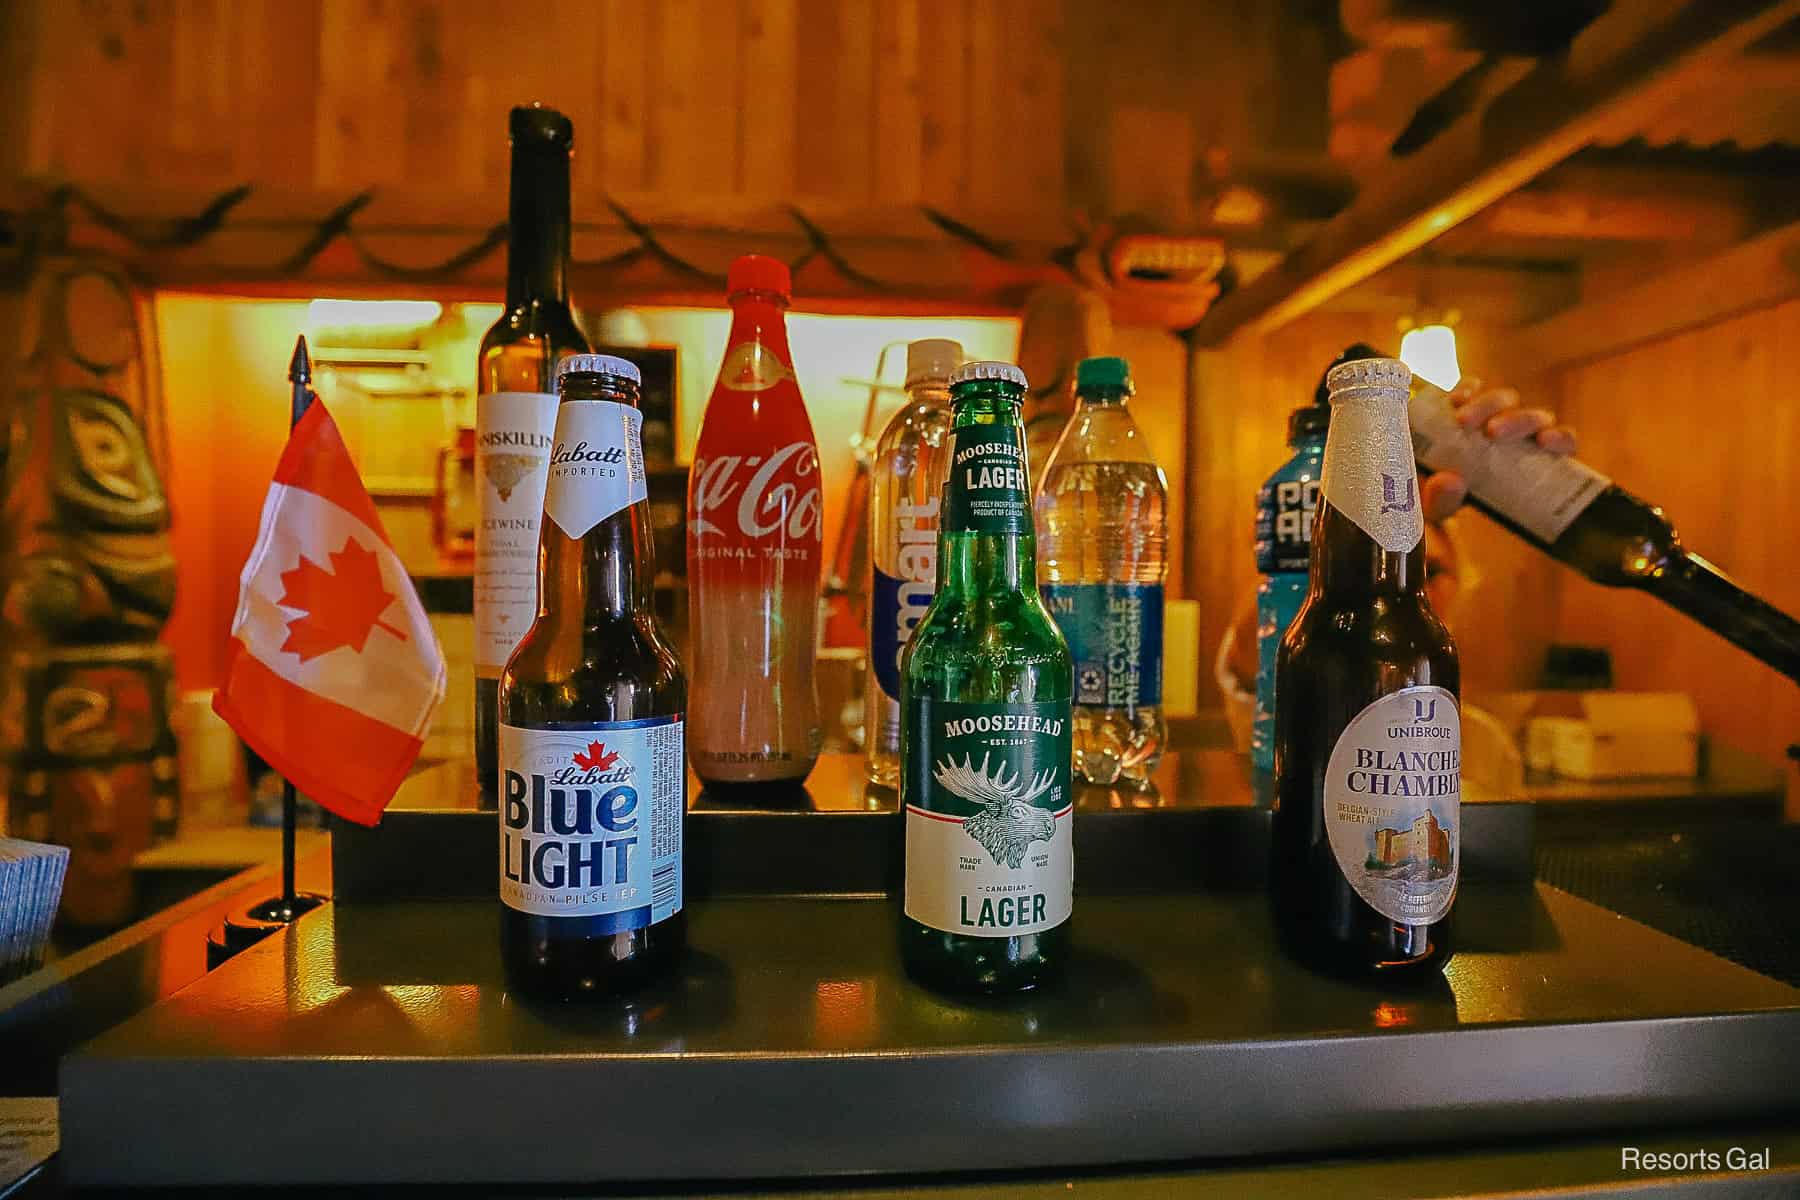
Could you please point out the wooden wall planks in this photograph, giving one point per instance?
(996, 105)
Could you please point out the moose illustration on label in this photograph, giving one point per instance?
(1008, 822)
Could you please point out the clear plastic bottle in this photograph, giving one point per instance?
(1102, 522)
(906, 488)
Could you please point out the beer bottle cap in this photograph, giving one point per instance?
(1355, 350)
(1003, 371)
(1368, 374)
(930, 360)
(1108, 371)
(759, 273)
(536, 125)
(599, 364)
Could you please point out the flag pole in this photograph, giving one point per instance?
(300, 377)
(248, 925)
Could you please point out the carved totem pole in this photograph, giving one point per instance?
(87, 579)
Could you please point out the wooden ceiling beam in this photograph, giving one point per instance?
(1629, 63)
(1762, 271)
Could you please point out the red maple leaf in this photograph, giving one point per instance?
(597, 758)
(339, 607)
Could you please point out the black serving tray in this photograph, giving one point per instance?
(376, 1041)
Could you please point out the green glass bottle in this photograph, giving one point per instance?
(985, 767)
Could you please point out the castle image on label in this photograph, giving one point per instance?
(1424, 842)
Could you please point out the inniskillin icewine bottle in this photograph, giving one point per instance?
(986, 762)
(515, 412)
(1365, 840)
(1580, 517)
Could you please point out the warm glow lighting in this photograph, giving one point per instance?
(1430, 351)
(388, 314)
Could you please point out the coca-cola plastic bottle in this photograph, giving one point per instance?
(754, 553)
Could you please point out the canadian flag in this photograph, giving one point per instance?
(334, 670)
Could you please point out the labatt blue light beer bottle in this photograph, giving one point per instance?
(592, 772)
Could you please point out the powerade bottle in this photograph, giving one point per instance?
(1284, 519)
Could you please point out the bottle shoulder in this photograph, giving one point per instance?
(1305, 465)
(536, 320)
(1013, 627)
(568, 665)
(915, 423)
(1375, 630)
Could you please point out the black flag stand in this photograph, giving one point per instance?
(251, 924)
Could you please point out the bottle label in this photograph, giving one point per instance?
(988, 491)
(1284, 521)
(1369, 474)
(989, 846)
(1114, 631)
(596, 464)
(1393, 803)
(590, 821)
(899, 600)
(512, 449)
(1535, 489)
(753, 367)
(739, 502)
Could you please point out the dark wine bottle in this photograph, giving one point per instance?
(1580, 517)
(515, 411)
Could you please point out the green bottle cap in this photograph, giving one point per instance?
(1106, 372)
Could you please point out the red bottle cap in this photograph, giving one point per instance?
(759, 273)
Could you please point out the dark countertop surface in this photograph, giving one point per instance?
(1182, 1033)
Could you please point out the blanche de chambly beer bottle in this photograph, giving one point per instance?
(1103, 513)
(515, 408)
(1366, 838)
(905, 492)
(985, 775)
(592, 776)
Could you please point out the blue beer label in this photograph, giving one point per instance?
(895, 609)
(590, 821)
(1114, 631)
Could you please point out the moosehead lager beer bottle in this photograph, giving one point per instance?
(985, 767)
(592, 777)
(1368, 737)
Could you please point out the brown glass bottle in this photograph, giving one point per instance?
(1366, 830)
(515, 407)
(592, 763)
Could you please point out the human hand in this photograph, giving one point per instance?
(1499, 415)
